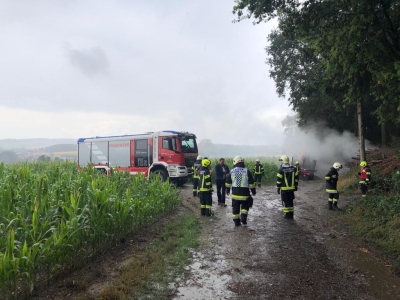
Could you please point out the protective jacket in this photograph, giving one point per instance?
(195, 168)
(258, 169)
(241, 180)
(205, 180)
(287, 178)
(365, 175)
(332, 178)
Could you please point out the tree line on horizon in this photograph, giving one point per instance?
(337, 62)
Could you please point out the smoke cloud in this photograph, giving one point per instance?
(324, 145)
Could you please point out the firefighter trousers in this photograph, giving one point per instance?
(287, 200)
(240, 210)
(257, 179)
(363, 188)
(196, 182)
(221, 190)
(205, 203)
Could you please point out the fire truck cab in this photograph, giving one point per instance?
(170, 154)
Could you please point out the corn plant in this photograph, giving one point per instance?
(53, 218)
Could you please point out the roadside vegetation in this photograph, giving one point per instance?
(54, 218)
(376, 218)
(150, 271)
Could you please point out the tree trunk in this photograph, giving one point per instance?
(383, 135)
(361, 140)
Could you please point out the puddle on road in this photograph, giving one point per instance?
(208, 279)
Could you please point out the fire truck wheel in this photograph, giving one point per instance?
(162, 173)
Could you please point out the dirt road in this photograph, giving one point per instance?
(310, 257)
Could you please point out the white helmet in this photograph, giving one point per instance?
(257, 160)
(284, 159)
(199, 157)
(237, 159)
(337, 166)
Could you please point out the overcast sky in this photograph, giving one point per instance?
(72, 69)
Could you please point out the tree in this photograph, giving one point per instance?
(333, 57)
(290, 125)
(8, 157)
(43, 158)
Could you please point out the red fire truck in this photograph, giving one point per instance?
(170, 154)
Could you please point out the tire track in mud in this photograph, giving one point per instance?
(275, 258)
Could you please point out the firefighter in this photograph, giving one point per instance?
(365, 178)
(241, 180)
(195, 168)
(221, 170)
(258, 172)
(205, 188)
(332, 178)
(287, 180)
(297, 166)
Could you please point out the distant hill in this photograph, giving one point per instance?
(40, 143)
(61, 148)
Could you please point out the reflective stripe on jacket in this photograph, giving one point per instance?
(241, 180)
(332, 178)
(287, 178)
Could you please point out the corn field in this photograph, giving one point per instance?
(270, 167)
(54, 218)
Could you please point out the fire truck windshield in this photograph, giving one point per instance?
(188, 144)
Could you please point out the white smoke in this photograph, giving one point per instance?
(324, 145)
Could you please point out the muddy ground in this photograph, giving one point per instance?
(310, 257)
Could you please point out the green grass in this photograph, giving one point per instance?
(147, 275)
(376, 218)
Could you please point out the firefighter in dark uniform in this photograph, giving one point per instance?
(241, 180)
(205, 188)
(195, 168)
(297, 166)
(258, 172)
(287, 180)
(332, 178)
(365, 178)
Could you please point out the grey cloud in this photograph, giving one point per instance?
(90, 61)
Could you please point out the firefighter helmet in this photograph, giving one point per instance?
(199, 157)
(257, 160)
(237, 159)
(337, 166)
(284, 159)
(205, 162)
(363, 163)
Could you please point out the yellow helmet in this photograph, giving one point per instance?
(337, 165)
(205, 162)
(363, 163)
(237, 159)
(284, 159)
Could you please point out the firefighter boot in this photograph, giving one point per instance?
(194, 194)
(335, 207)
(330, 205)
(237, 222)
(208, 212)
(243, 219)
(291, 215)
(286, 215)
(203, 211)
